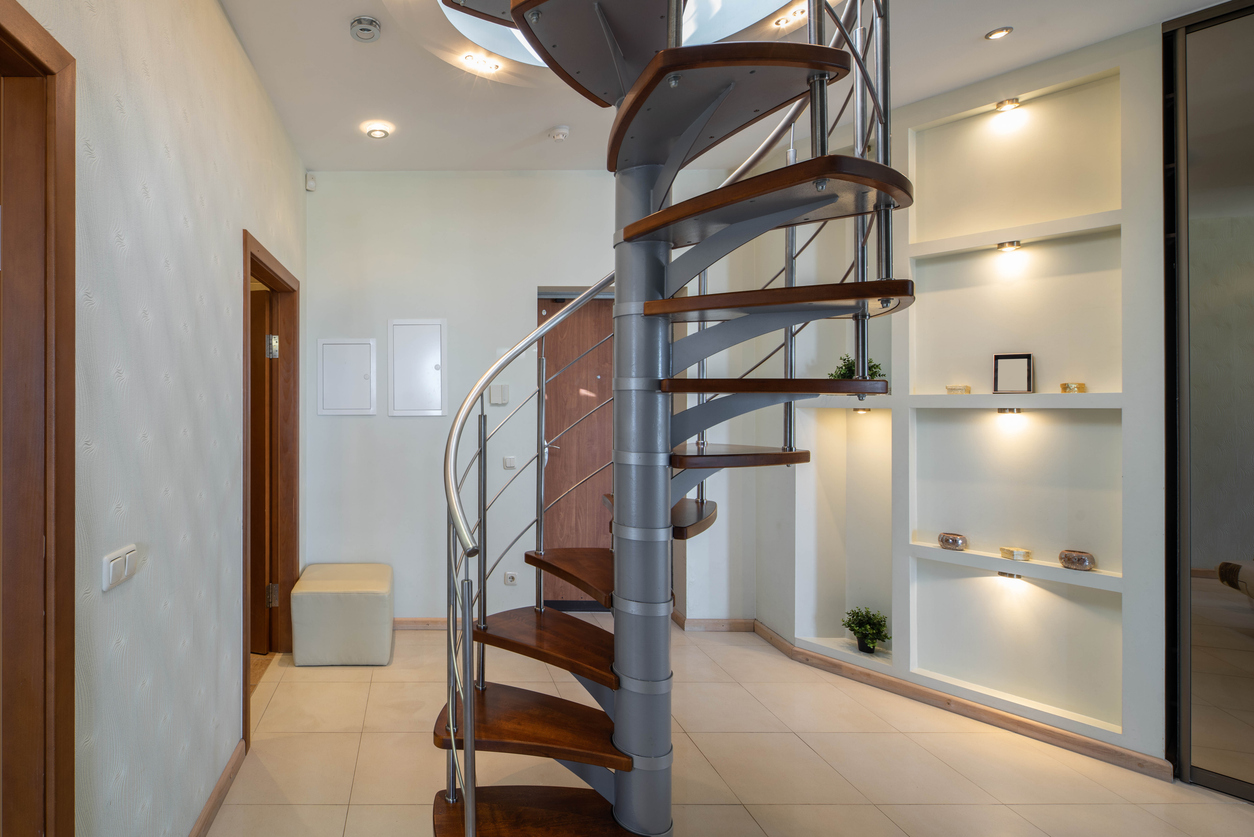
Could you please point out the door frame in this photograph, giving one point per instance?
(259, 264)
(38, 614)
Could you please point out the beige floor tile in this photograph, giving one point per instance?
(295, 768)
(279, 821)
(961, 821)
(904, 714)
(824, 821)
(721, 707)
(316, 707)
(890, 769)
(1225, 762)
(1132, 786)
(508, 667)
(259, 700)
(774, 769)
(761, 664)
(816, 707)
(560, 675)
(714, 821)
(1012, 770)
(1207, 820)
(692, 665)
(694, 779)
(509, 769)
(419, 663)
(745, 638)
(411, 639)
(274, 672)
(679, 637)
(404, 707)
(604, 620)
(1095, 821)
(389, 820)
(397, 769)
(289, 672)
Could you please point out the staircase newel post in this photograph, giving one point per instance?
(642, 531)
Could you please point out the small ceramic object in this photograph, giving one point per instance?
(958, 389)
(951, 540)
(1074, 559)
(1076, 387)
(1016, 553)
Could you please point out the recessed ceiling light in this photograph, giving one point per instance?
(1007, 104)
(792, 17)
(998, 34)
(1009, 246)
(365, 29)
(378, 130)
(480, 63)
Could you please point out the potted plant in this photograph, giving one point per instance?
(869, 626)
(845, 371)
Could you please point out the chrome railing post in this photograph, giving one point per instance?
(790, 340)
(861, 320)
(468, 709)
(816, 11)
(450, 793)
(674, 23)
(703, 287)
(884, 139)
(542, 451)
(483, 535)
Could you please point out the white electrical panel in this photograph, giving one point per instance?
(417, 358)
(346, 377)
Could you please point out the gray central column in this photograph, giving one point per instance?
(642, 531)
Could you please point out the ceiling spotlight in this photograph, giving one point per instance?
(365, 29)
(862, 411)
(378, 130)
(1007, 104)
(1008, 575)
(1009, 246)
(1009, 411)
(480, 63)
(998, 34)
(792, 17)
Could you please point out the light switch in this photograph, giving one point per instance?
(510, 463)
(498, 395)
(132, 563)
(117, 571)
(118, 566)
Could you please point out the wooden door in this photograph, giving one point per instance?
(580, 519)
(261, 532)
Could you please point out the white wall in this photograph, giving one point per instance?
(179, 150)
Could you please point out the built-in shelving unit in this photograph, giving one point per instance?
(1038, 567)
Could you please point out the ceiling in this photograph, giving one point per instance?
(325, 85)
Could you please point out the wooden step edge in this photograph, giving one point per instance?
(579, 570)
(800, 386)
(743, 456)
(509, 719)
(529, 811)
(571, 643)
(518, 11)
(687, 521)
(482, 15)
(764, 300)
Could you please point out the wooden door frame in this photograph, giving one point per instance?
(259, 264)
(41, 627)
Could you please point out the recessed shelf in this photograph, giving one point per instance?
(846, 649)
(1094, 579)
(1026, 234)
(1028, 401)
(1018, 700)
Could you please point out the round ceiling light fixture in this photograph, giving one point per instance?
(792, 17)
(998, 34)
(378, 130)
(1007, 105)
(365, 29)
(481, 63)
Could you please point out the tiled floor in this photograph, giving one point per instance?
(1223, 680)
(764, 747)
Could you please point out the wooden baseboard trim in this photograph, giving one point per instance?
(1111, 753)
(205, 821)
(409, 623)
(678, 618)
(718, 625)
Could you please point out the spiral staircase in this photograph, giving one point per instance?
(673, 103)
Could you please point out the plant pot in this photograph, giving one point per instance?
(863, 647)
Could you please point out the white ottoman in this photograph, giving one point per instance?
(342, 615)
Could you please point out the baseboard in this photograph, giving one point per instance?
(678, 618)
(420, 623)
(205, 821)
(717, 625)
(1111, 753)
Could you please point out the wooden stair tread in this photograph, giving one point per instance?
(535, 811)
(513, 720)
(853, 187)
(801, 386)
(735, 456)
(493, 11)
(569, 38)
(764, 76)
(832, 300)
(591, 570)
(689, 517)
(555, 638)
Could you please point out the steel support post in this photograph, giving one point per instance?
(483, 537)
(450, 793)
(790, 341)
(542, 458)
(883, 142)
(468, 710)
(642, 531)
(703, 287)
(861, 320)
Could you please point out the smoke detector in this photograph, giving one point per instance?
(560, 133)
(366, 29)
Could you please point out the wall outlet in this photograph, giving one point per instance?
(511, 579)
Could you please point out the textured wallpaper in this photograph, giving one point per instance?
(179, 149)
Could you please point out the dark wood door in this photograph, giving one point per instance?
(260, 534)
(580, 519)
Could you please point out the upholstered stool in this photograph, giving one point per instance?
(342, 615)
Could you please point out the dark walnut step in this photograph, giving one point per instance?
(735, 456)
(591, 570)
(740, 82)
(689, 517)
(579, 40)
(555, 638)
(822, 301)
(801, 386)
(537, 811)
(820, 189)
(526, 723)
(493, 11)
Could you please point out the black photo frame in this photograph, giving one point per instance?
(1009, 374)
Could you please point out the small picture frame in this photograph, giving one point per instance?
(1012, 374)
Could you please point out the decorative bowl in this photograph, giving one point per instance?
(952, 540)
(1074, 559)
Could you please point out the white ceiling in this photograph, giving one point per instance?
(325, 84)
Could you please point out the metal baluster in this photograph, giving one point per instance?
(815, 20)
(483, 536)
(674, 23)
(703, 287)
(542, 450)
(861, 320)
(884, 138)
(450, 793)
(790, 340)
(468, 709)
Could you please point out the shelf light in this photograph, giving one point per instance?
(480, 63)
(1007, 104)
(1009, 246)
(1008, 575)
(1009, 411)
(378, 130)
(862, 411)
(999, 33)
